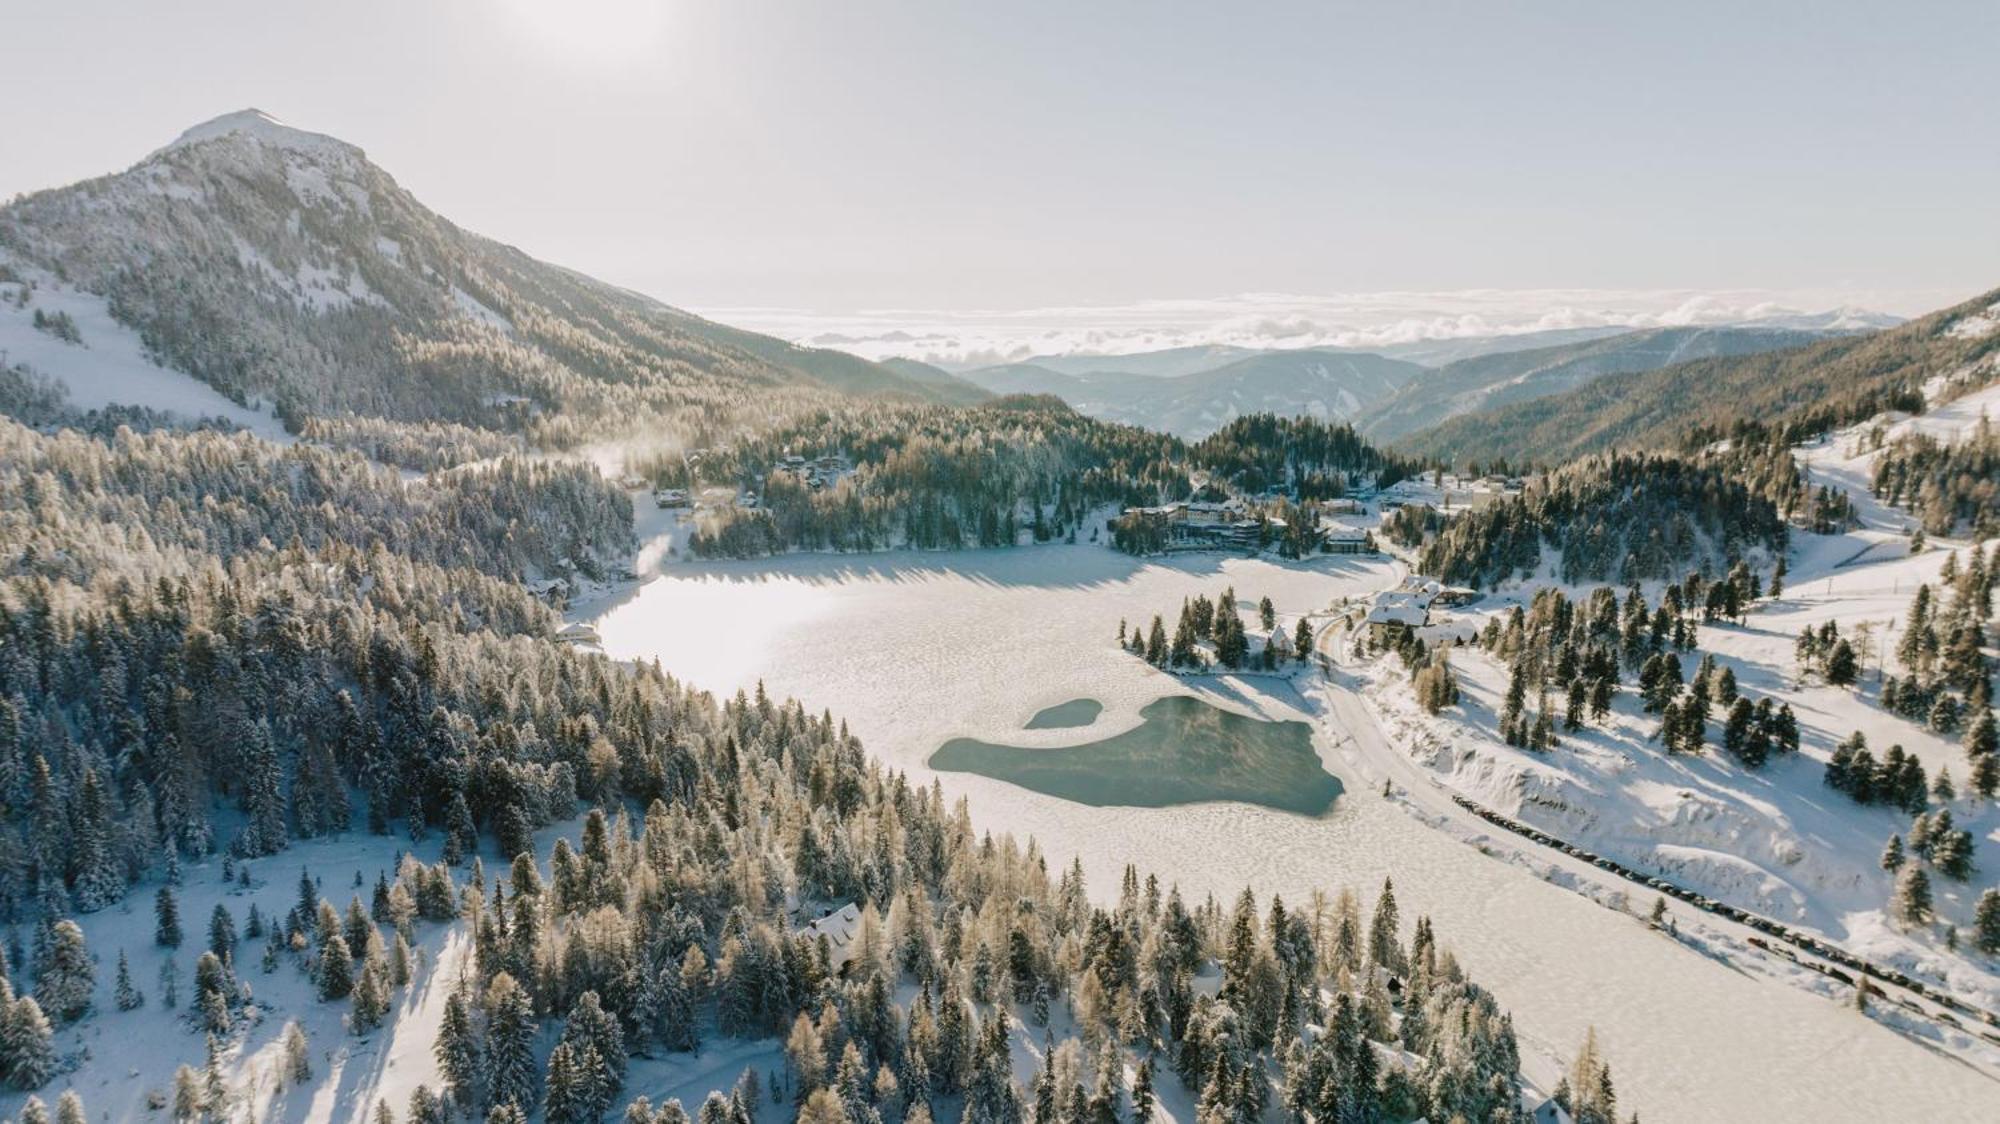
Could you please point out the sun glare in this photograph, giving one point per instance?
(590, 31)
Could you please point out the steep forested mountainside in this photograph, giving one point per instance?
(1805, 390)
(1490, 381)
(1318, 383)
(280, 265)
(73, 506)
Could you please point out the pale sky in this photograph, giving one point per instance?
(818, 163)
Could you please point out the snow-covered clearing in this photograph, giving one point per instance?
(1846, 459)
(110, 365)
(912, 649)
(1776, 841)
(121, 1059)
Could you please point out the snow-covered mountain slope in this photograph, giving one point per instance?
(1488, 381)
(281, 265)
(1820, 385)
(107, 364)
(1311, 382)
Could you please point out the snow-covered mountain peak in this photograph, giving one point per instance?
(260, 126)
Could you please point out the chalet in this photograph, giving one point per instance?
(817, 473)
(1406, 606)
(1383, 617)
(1280, 643)
(670, 497)
(555, 591)
(1345, 505)
(841, 929)
(1343, 539)
(578, 633)
(1544, 1110)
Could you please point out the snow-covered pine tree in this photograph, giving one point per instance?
(27, 1045)
(1911, 903)
(124, 993)
(457, 1052)
(65, 977)
(100, 875)
(264, 797)
(510, 1043)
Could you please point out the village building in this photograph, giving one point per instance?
(841, 930)
(578, 633)
(1343, 539)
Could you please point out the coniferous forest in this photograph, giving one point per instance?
(212, 645)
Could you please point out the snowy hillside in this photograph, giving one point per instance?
(108, 363)
(280, 265)
(1777, 839)
(1489, 381)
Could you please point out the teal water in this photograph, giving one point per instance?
(1184, 751)
(1064, 716)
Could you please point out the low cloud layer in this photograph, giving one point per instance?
(973, 337)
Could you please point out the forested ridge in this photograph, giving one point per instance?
(1952, 487)
(1800, 392)
(73, 505)
(1614, 519)
(935, 477)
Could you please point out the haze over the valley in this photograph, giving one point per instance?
(993, 182)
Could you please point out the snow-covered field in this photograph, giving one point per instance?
(913, 649)
(111, 364)
(1776, 840)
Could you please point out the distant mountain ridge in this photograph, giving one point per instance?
(281, 265)
(1325, 384)
(1833, 381)
(1488, 381)
(1387, 396)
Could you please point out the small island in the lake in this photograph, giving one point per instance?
(1183, 752)
(1066, 715)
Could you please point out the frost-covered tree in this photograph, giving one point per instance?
(298, 1056)
(1986, 922)
(166, 919)
(124, 993)
(1912, 901)
(27, 1045)
(65, 976)
(510, 1043)
(457, 1051)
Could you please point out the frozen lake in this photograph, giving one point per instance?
(916, 649)
(1184, 751)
